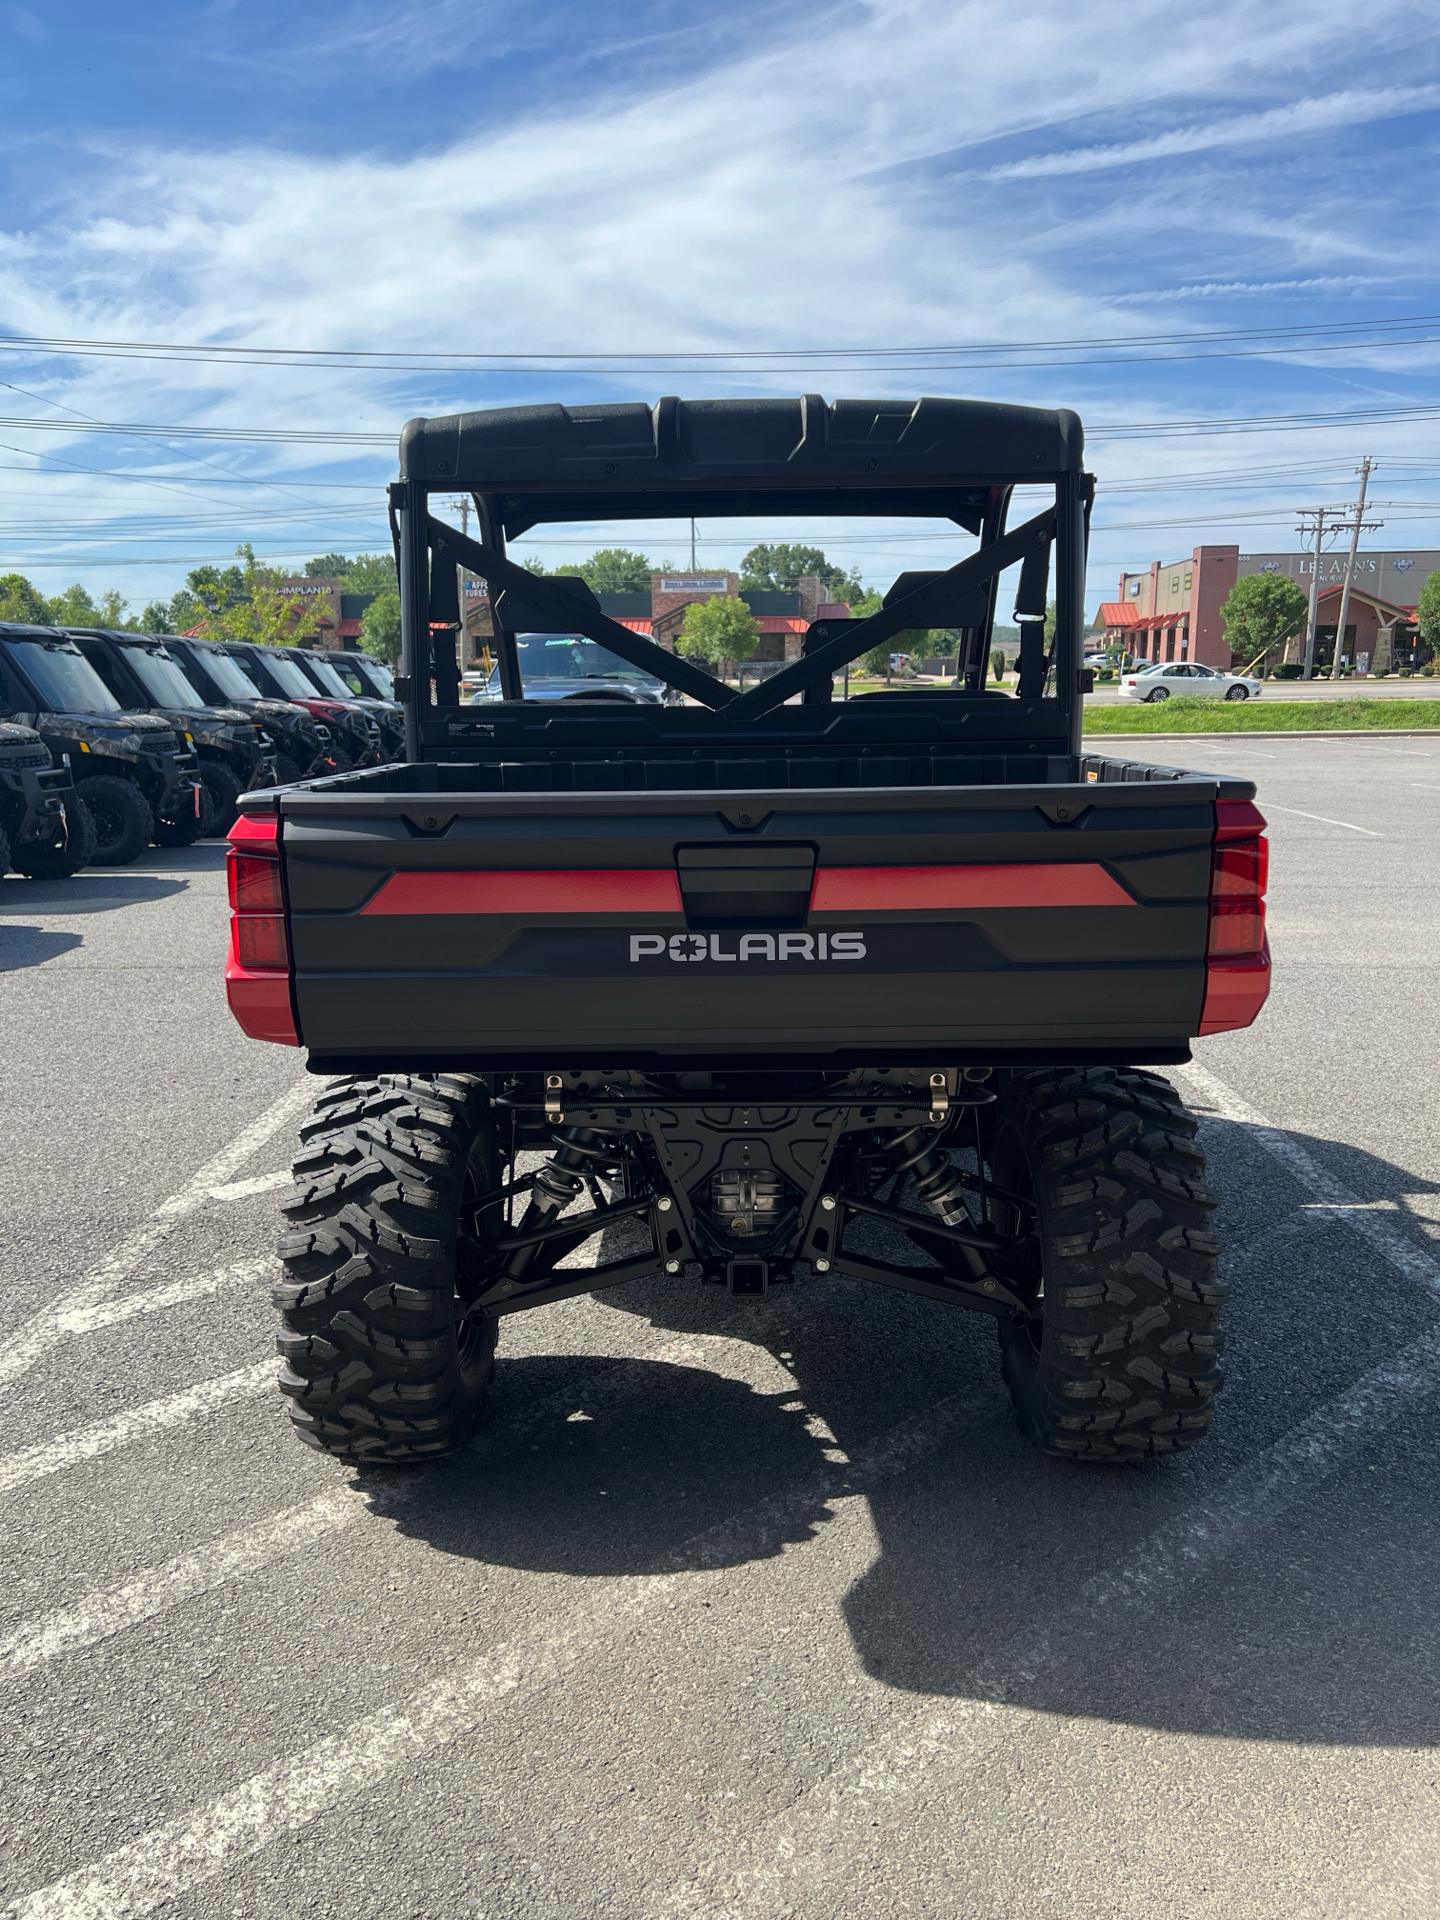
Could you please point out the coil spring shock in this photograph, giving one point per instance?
(580, 1153)
(938, 1184)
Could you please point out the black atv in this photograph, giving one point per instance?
(337, 676)
(355, 738)
(45, 832)
(137, 777)
(236, 753)
(305, 749)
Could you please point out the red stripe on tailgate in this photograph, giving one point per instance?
(621, 891)
(897, 889)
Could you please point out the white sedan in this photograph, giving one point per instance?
(1158, 683)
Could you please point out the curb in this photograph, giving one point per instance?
(1290, 733)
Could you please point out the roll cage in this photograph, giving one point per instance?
(956, 460)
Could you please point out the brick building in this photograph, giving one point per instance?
(659, 614)
(339, 611)
(1172, 611)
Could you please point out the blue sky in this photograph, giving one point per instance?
(653, 178)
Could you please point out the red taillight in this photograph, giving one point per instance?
(257, 973)
(1237, 896)
(254, 884)
(1238, 969)
(260, 940)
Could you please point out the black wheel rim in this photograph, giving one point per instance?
(109, 825)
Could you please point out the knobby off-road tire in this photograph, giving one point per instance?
(287, 770)
(181, 832)
(50, 863)
(379, 1362)
(221, 791)
(124, 822)
(1124, 1258)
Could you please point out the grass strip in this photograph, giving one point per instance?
(1184, 713)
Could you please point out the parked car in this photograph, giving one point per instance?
(304, 747)
(236, 753)
(138, 777)
(45, 831)
(1158, 683)
(354, 736)
(567, 666)
(335, 677)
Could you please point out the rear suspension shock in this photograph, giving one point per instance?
(580, 1153)
(938, 1184)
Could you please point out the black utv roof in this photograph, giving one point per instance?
(726, 450)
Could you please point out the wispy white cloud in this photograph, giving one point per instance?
(1352, 107)
(1240, 289)
(764, 201)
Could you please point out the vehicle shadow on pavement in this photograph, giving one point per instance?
(995, 1574)
(94, 892)
(32, 946)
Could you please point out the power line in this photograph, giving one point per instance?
(1128, 430)
(786, 358)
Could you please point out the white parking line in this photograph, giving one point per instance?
(812, 1845)
(110, 1312)
(29, 1464)
(101, 1615)
(45, 1329)
(262, 1183)
(238, 1555)
(172, 1859)
(1380, 1228)
(1324, 819)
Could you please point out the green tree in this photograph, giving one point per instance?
(185, 611)
(718, 631)
(370, 573)
(72, 608)
(613, 570)
(1262, 611)
(1427, 614)
(608, 570)
(214, 590)
(22, 602)
(156, 617)
(777, 569)
(328, 566)
(380, 627)
(244, 603)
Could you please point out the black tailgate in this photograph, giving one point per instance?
(566, 930)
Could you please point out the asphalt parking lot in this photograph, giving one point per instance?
(743, 1609)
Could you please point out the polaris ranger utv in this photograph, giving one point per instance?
(235, 752)
(139, 780)
(45, 832)
(760, 989)
(303, 748)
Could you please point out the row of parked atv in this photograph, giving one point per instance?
(111, 742)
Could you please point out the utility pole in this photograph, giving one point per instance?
(1319, 515)
(694, 563)
(464, 634)
(1365, 469)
